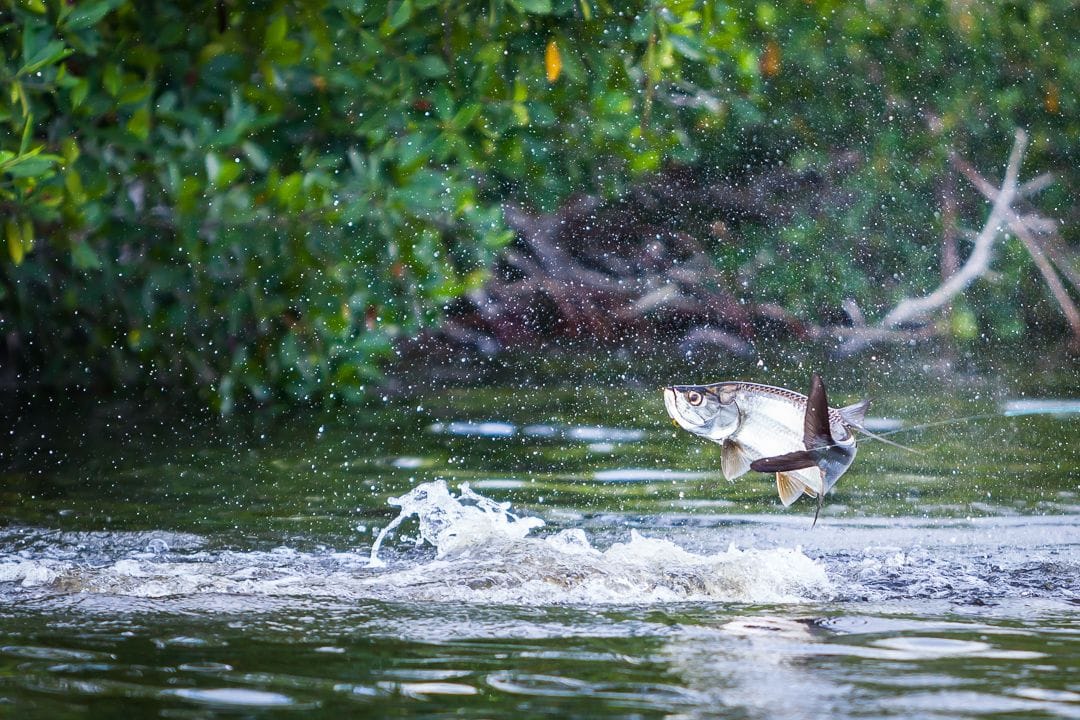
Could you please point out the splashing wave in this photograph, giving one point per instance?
(482, 553)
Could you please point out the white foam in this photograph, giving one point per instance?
(489, 556)
(483, 553)
(449, 524)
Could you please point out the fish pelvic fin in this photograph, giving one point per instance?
(784, 463)
(789, 487)
(816, 431)
(733, 460)
(855, 414)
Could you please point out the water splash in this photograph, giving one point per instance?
(489, 556)
(483, 553)
(450, 523)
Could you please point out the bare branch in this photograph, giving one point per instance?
(913, 309)
(1036, 184)
(1026, 227)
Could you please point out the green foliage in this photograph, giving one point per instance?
(250, 202)
(255, 198)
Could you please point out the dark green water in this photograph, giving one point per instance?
(166, 564)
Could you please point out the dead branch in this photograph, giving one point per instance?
(978, 262)
(630, 267)
(1026, 228)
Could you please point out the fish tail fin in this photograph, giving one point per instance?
(816, 430)
(855, 414)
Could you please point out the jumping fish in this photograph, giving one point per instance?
(770, 429)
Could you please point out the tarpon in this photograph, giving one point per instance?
(770, 429)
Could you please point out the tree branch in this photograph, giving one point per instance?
(912, 309)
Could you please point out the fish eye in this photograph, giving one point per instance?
(694, 398)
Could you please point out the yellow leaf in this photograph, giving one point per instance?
(552, 62)
(14, 242)
(27, 236)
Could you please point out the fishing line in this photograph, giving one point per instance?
(937, 423)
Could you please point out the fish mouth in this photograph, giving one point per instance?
(673, 410)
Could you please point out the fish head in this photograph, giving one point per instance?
(706, 410)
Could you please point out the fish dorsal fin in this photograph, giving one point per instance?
(733, 460)
(855, 414)
(816, 431)
(789, 487)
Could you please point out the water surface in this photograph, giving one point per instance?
(594, 564)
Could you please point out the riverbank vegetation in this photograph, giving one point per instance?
(256, 201)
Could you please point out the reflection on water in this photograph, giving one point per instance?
(540, 553)
(1033, 406)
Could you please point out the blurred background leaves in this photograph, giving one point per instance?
(254, 200)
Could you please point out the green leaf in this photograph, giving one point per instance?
(288, 190)
(276, 31)
(139, 124)
(443, 103)
(30, 165)
(111, 79)
(400, 15)
(356, 7)
(79, 92)
(25, 143)
(534, 7)
(88, 14)
(53, 52)
(431, 66)
(84, 258)
(256, 156)
(227, 172)
(465, 116)
(133, 94)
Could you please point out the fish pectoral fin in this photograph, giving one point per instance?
(855, 414)
(789, 487)
(783, 463)
(733, 460)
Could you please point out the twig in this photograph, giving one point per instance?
(1063, 258)
(1057, 289)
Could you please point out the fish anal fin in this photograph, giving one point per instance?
(789, 487)
(783, 463)
(816, 430)
(855, 414)
(813, 482)
(733, 460)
